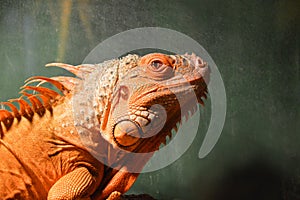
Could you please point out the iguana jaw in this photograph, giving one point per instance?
(176, 101)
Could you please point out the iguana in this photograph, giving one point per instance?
(84, 140)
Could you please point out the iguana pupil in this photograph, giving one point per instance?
(156, 63)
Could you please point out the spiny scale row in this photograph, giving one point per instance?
(39, 102)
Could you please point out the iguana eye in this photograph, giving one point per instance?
(156, 60)
(158, 66)
(156, 63)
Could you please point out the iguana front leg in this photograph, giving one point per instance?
(77, 184)
(117, 185)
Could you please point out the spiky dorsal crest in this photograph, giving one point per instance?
(37, 99)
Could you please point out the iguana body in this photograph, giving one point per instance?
(50, 150)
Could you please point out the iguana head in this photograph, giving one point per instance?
(147, 97)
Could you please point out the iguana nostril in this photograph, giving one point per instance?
(201, 63)
(126, 133)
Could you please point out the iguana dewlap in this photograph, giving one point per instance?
(136, 102)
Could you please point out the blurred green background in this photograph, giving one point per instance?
(255, 45)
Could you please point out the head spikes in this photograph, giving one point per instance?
(46, 103)
(43, 79)
(51, 94)
(25, 109)
(7, 119)
(79, 70)
(13, 109)
(37, 106)
(38, 99)
(68, 82)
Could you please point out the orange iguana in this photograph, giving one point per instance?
(78, 142)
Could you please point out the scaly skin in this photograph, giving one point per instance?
(75, 143)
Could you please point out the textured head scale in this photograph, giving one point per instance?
(110, 73)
